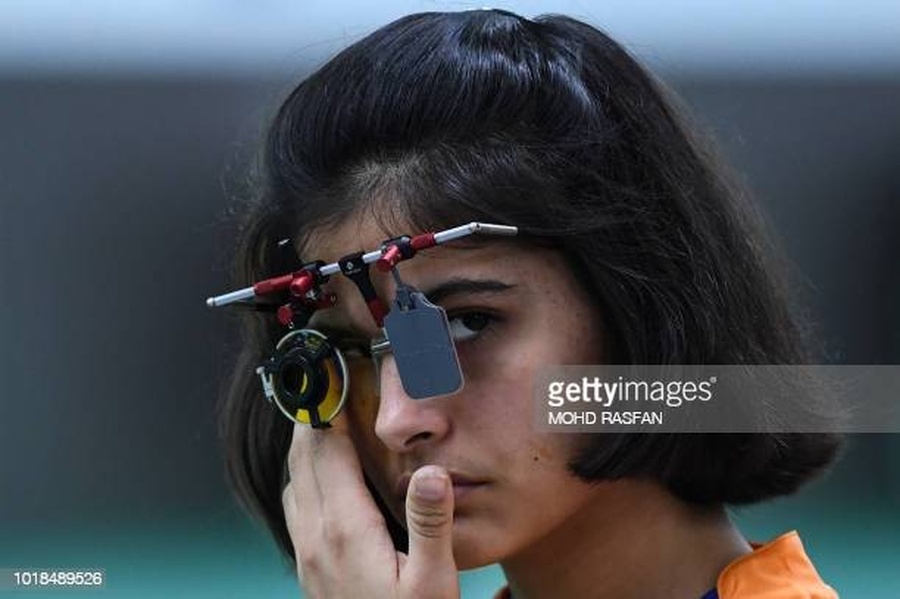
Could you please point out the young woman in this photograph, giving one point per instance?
(634, 248)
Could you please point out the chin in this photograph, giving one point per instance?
(469, 560)
(472, 548)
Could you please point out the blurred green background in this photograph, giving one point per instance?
(125, 132)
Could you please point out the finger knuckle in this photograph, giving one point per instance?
(309, 561)
(335, 534)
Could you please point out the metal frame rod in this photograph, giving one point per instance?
(445, 236)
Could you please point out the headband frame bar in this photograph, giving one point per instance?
(420, 242)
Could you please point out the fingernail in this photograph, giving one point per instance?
(431, 486)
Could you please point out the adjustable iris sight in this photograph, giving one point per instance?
(308, 376)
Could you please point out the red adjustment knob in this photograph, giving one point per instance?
(389, 260)
(285, 315)
(378, 311)
(273, 285)
(423, 241)
(301, 284)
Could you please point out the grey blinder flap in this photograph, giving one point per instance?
(419, 337)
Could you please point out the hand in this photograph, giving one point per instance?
(341, 543)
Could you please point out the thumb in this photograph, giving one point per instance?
(429, 519)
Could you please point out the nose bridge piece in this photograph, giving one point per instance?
(379, 348)
(380, 345)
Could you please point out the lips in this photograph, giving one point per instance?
(463, 484)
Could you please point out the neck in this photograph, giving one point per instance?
(634, 540)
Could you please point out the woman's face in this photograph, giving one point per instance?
(512, 310)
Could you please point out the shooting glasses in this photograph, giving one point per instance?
(308, 377)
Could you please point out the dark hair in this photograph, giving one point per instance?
(551, 126)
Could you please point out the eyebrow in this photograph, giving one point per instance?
(443, 291)
(459, 286)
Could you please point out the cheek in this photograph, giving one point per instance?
(503, 376)
(360, 413)
(500, 384)
(361, 408)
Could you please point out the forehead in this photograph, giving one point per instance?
(330, 243)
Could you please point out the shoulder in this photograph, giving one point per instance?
(779, 569)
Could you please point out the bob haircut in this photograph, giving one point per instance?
(440, 119)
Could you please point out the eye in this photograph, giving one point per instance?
(469, 325)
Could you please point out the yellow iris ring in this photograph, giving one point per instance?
(333, 401)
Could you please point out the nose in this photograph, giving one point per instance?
(404, 423)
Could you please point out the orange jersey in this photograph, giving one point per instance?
(779, 569)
